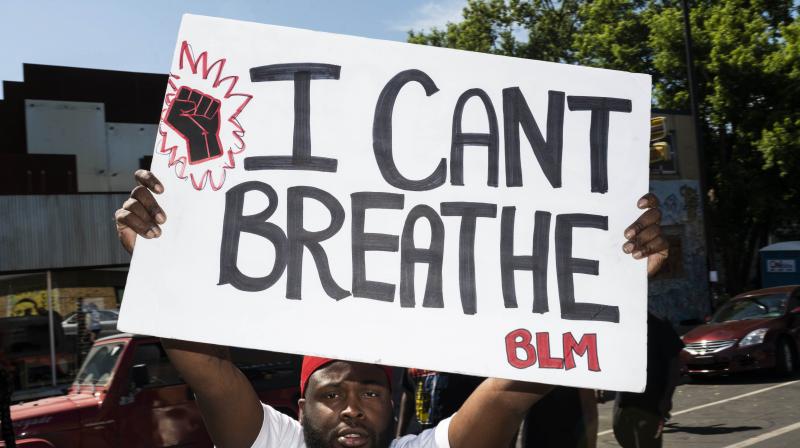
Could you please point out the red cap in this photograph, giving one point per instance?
(313, 363)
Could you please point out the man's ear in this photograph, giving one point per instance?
(301, 404)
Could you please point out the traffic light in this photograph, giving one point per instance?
(658, 128)
(660, 150)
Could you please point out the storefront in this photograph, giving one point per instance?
(42, 349)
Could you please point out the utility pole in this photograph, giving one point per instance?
(701, 153)
(51, 326)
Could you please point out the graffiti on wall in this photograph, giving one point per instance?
(34, 303)
(680, 202)
(684, 294)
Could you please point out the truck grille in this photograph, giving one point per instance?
(707, 347)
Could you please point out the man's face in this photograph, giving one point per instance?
(347, 405)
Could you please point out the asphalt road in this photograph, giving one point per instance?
(746, 411)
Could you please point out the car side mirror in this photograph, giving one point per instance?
(141, 377)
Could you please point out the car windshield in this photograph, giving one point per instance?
(99, 365)
(757, 307)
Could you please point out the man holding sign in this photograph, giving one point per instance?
(345, 404)
(337, 189)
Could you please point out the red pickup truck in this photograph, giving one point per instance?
(127, 394)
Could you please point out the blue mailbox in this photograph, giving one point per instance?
(780, 264)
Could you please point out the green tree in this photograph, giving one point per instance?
(493, 26)
(745, 92)
(747, 56)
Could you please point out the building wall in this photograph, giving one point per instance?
(680, 290)
(59, 231)
(106, 120)
(128, 144)
(107, 154)
(71, 127)
(67, 132)
(680, 136)
(682, 127)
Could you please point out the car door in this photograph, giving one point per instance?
(163, 411)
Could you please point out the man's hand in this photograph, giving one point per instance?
(195, 116)
(644, 236)
(140, 214)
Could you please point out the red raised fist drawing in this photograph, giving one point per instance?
(195, 116)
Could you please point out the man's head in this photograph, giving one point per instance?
(345, 404)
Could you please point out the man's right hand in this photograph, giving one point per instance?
(140, 214)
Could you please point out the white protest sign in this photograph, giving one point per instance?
(398, 204)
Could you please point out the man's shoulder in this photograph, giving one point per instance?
(436, 437)
(278, 430)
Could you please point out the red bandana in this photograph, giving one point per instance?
(312, 363)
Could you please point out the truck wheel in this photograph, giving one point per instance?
(785, 359)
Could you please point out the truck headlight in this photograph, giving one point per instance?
(753, 338)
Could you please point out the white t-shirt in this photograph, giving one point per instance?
(281, 431)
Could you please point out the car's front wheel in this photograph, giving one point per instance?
(785, 358)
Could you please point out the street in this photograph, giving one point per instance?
(758, 411)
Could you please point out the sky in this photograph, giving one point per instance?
(139, 35)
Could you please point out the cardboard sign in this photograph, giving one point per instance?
(397, 204)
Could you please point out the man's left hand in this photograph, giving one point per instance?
(644, 236)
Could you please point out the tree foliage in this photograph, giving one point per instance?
(747, 67)
(536, 29)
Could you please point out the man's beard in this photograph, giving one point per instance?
(316, 438)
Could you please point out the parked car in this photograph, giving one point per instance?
(754, 330)
(108, 323)
(128, 395)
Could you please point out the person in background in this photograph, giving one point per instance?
(639, 417)
(93, 321)
(564, 418)
(428, 397)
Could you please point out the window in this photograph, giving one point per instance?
(160, 371)
(108, 315)
(758, 307)
(99, 365)
(668, 164)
